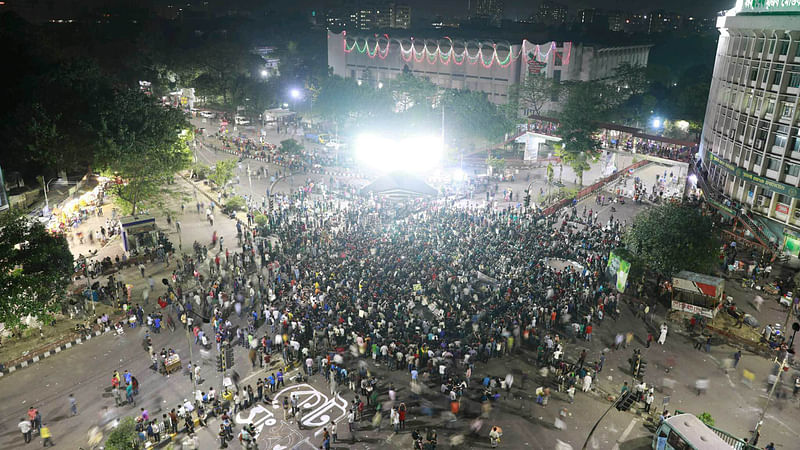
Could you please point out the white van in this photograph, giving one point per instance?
(241, 120)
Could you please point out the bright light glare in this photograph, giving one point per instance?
(415, 154)
(693, 179)
(459, 175)
(682, 125)
(264, 73)
(295, 93)
(656, 123)
(380, 84)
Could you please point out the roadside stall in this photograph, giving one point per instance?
(172, 364)
(696, 293)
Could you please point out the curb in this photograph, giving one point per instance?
(51, 352)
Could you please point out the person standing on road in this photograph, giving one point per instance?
(26, 429)
(73, 405)
(663, 337)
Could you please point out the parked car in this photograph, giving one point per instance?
(207, 114)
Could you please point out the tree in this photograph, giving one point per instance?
(673, 237)
(144, 143)
(409, 91)
(471, 119)
(536, 91)
(706, 419)
(223, 172)
(124, 436)
(35, 269)
(586, 102)
(497, 165)
(550, 173)
(291, 147)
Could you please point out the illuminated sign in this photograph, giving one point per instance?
(768, 6)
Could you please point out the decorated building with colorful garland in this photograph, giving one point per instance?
(479, 65)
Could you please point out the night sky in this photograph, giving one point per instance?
(523, 8)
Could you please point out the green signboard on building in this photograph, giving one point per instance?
(768, 6)
(766, 183)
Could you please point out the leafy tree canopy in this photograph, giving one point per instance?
(35, 267)
(674, 237)
(142, 142)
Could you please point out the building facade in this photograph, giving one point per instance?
(485, 66)
(750, 143)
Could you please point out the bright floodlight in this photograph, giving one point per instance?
(656, 122)
(295, 93)
(380, 84)
(264, 73)
(682, 125)
(415, 154)
(693, 179)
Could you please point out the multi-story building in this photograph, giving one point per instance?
(551, 13)
(401, 16)
(490, 11)
(659, 21)
(615, 20)
(586, 15)
(370, 16)
(750, 143)
(490, 67)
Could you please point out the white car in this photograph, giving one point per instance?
(240, 120)
(207, 114)
(335, 144)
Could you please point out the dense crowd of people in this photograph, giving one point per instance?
(429, 289)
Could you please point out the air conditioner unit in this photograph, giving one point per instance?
(762, 201)
(759, 143)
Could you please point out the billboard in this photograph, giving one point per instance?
(617, 271)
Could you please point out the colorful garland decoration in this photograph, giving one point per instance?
(433, 53)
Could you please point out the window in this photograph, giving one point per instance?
(677, 442)
(792, 170)
(771, 46)
(796, 144)
(794, 79)
(773, 164)
(760, 46)
(771, 107)
(776, 78)
(786, 110)
(784, 199)
(753, 74)
(780, 140)
(757, 159)
(784, 47)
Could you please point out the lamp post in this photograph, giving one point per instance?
(46, 188)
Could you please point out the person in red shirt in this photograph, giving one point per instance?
(589, 332)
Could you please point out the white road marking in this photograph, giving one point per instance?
(625, 434)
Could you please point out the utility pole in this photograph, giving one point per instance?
(769, 397)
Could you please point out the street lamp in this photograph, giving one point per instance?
(46, 188)
(264, 73)
(380, 84)
(295, 93)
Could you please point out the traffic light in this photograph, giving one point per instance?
(270, 203)
(641, 369)
(220, 363)
(527, 199)
(626, 401)
(228, 357)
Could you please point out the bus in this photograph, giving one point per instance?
(687, 432)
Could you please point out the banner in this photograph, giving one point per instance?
(617, 271)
